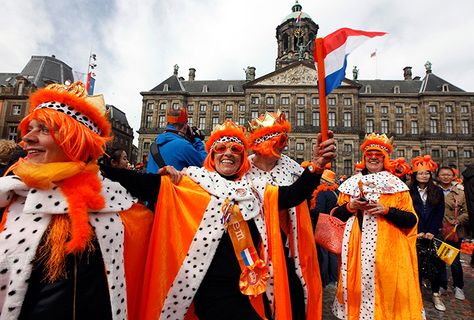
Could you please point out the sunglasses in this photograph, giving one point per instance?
(222, 147)
(376, 154)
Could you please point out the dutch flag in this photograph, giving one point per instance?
(336, 48)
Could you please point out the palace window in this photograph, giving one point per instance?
(161, 121)
(315, 119)
(433, 126)
(369, 125)
(465, 126)
(384, 126)
(449, 126)
(399, 127)
(414, 127)
(300, 118)
(347, 119)
(331, 119)
(285, 101)
(202, 123)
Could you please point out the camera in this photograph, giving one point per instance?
(196, 133)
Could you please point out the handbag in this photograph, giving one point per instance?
(448, 230)
(329, 232)
(427, 258)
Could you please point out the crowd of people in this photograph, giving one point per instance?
(209, 231)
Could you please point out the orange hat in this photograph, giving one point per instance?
(267, 131)
(423, 163)
(227, 132)
(179, 115)
(379, 142)
(400, 167)
(329, 176)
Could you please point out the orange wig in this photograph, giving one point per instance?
(231, 130)
(77, 141)
(269, 133)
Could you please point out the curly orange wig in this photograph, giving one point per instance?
(269, 132)
(228, 130)
(400, 167)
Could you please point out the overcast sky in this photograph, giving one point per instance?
(137, 42)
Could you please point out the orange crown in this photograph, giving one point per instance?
(423, 163)
(400, 167)
(377, 141)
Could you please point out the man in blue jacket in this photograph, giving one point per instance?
(179, 146)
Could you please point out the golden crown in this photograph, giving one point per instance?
(375, 139)
(78, 89)
(228, 124)
(269, 119)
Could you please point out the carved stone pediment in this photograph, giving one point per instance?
(299, 75)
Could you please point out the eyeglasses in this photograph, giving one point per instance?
(376, 154)
(222, 147)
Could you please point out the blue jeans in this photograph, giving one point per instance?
(327, 266)
(456, 269)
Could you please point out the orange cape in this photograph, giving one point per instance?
(397, 292)
(179, 212)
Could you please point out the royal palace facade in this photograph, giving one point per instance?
(427, 115)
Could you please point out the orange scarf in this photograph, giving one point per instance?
(82, 188)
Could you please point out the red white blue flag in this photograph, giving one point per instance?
(90, 84)
(336, 48)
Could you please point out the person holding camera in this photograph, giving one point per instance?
(179, 145)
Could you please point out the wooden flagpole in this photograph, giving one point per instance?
(323, 109)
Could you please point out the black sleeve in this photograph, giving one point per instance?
(342, 213)
(292, 195)
(144, 186)
(400, 218)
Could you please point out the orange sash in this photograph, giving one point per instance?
(254, 276)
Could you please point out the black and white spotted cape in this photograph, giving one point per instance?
(375, 184)
(207, 237)
(28, 218)
(284, 173)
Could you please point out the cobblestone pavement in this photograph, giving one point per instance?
(455, 309)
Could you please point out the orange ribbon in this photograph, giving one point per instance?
(254, 276)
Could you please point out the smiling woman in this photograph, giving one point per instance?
(216, 232)
(65, 235)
